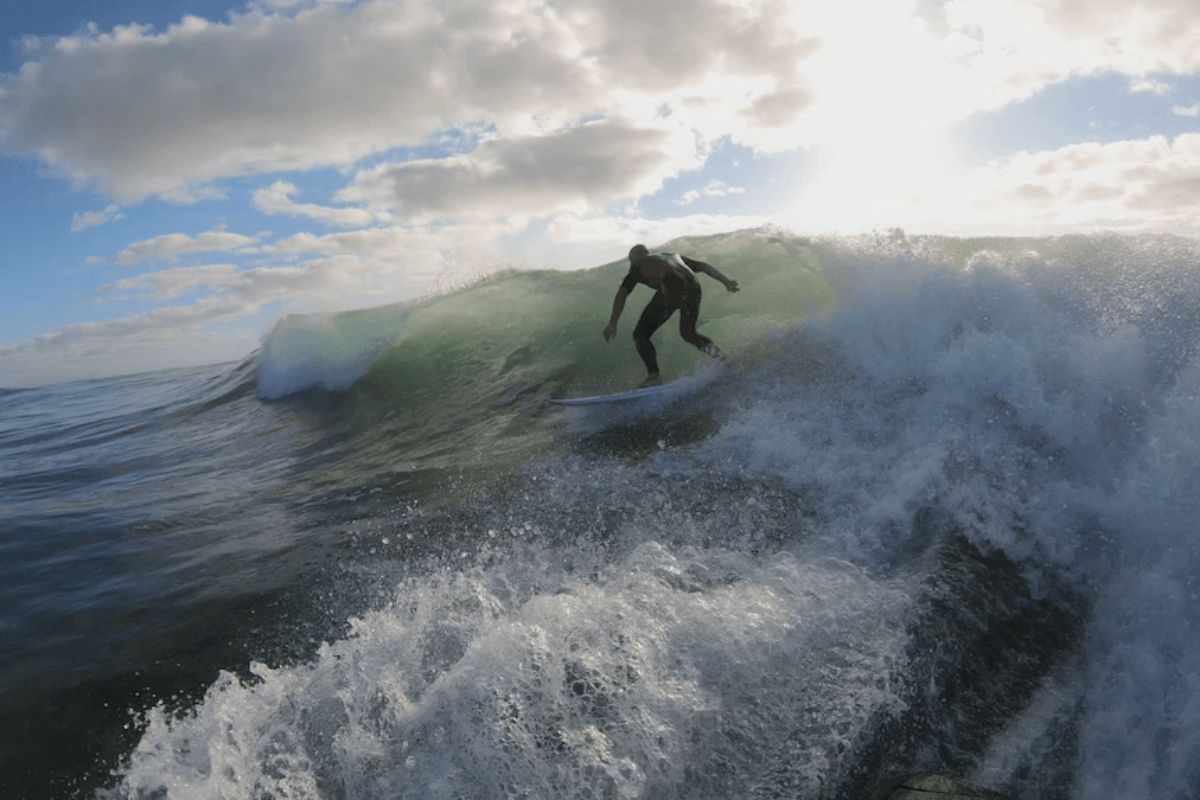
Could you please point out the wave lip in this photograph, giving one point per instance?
(326, 351)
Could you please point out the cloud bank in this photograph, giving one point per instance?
(93, 219)
(1143, 184)
(138, 112)
(578, 168)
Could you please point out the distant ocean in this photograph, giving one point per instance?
(939, 511)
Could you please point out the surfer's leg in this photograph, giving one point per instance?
(689, 315)
(657, 311)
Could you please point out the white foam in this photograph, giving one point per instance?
(671, 668)
(1049, 407)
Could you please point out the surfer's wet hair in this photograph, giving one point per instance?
(638, 252)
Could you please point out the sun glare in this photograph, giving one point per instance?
(880, 154)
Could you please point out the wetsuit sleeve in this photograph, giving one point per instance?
(630, 281)
(697, 266)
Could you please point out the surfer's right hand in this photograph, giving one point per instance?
(610, 330)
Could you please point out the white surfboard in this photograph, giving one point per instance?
(619, 397)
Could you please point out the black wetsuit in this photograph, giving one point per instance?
(680, 290)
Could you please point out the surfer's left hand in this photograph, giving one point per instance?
(731, 286)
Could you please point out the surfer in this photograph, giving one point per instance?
(673, 279)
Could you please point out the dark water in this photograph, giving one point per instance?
(938, 513)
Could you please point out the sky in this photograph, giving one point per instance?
(176, 175)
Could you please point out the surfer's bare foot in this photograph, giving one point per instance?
(651, 380)
(712, 351)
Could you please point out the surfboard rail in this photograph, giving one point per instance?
(616, 397)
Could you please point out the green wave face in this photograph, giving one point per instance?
(543, 329)
(464, 377)
(473, 360)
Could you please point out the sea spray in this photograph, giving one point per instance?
(1042, 395)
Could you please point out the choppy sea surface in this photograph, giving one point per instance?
(938, 511)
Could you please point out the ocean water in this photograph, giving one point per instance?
(938, 512)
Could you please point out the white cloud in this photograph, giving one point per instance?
(1144, 184)
(192, 193)
(581, 167)
(171, 246)
(169, 283)
(409, 247)
(277, 199)
(92, 219)
(1150, 184)
(1149, 86)
(333, 278)
(713, 189)
(1186, 111)
(920, 66)
(164, 337)
(160, 321)
(780, 106)
(140, 112)
(1026, 44)
(293, 85)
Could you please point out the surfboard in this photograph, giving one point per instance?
(619, 397)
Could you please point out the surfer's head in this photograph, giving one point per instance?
(637, 253)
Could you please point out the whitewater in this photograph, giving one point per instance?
(938, 512)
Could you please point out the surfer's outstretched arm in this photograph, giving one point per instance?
(711, 271)
(610, 330)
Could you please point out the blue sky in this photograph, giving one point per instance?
(176, 175)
